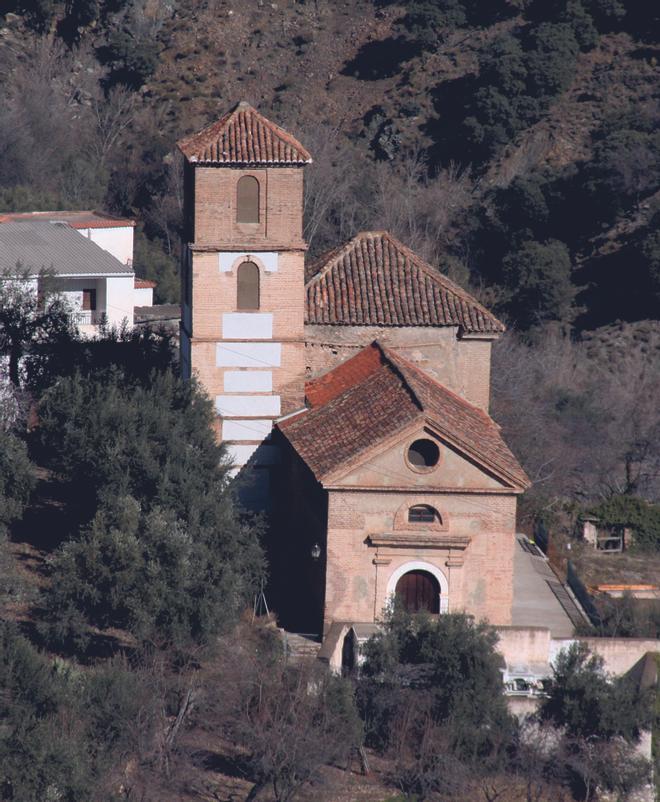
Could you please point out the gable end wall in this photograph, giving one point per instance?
(462, 365)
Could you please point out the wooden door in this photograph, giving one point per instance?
(89, 300)
(419, 590)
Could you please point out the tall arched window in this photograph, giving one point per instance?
(247, 295)
(247, 200)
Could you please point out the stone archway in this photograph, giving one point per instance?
(424, 576)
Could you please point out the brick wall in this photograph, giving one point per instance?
(275, 244)
(479, 577)
(280, 217)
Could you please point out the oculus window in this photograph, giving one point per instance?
(423, 454)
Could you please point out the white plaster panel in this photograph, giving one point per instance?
(248, 355)
(260, 455)
(143, 296)
(248, 381)
(120, 294)
(246, 429)
(247, 325)
(239, 455)
(227, 259)
(240, 406)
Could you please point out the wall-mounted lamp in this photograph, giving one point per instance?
(315, 551)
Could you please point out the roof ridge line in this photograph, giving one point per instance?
(395, 368)
(332, 255)
(199, 139)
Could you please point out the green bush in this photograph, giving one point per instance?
(538, 278)
(17, 478)
(641, 516)
(63, 730)
(582, 699)
(550, 59)
(447, 668)
(166, 554)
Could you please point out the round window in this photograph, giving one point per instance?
(423, 454)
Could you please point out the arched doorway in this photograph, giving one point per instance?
(419, 591)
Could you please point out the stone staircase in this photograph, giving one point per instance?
(300, 646)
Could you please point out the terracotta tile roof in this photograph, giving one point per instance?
(374, 395)
(375, 280)
(144, 284)
(243, 136)
(323, 389)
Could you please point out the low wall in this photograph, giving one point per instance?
(524, 644)
(534, 645)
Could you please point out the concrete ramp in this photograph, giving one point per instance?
(539, 598)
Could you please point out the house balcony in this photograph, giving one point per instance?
(87, 317)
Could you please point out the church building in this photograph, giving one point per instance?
(351, 392)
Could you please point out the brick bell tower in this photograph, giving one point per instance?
(243, 278)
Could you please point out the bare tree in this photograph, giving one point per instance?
(113, 116)
(590, 427)
(289, 719)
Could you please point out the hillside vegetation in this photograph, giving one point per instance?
(512, 143)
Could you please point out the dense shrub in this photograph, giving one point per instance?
(165, 554)
(65, 730)
(445, 668)
(150, 261)
(537, 277)
(16, 478)
(641, 516)
(582, 699)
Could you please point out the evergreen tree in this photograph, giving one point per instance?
(538, 279)
(449, 668)
(587, 703)
(166, 553)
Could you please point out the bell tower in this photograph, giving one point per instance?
(243, 276)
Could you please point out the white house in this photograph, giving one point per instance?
(98, 286)
(113, 234)
(90, 255)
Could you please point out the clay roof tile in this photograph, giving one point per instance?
(375, 280)
(243, 136)
(375, 394)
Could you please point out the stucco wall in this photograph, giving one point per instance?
(479, 578)
(116, 240)
(120, 299)
(461, 364)
(144, 296)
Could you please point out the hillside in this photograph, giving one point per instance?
(487, 139)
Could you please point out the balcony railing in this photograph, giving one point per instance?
(87, 317)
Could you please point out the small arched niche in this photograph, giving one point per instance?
(247, 287)
(247, 200)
